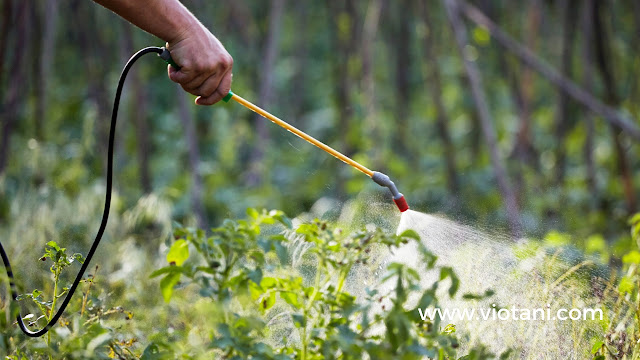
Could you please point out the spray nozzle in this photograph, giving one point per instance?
(384, 180)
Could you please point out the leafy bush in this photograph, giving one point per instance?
(622, 339)
(280, 293)
(259, 288)
(80, 333)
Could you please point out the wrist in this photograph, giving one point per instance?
(179, 22)
(188, 27)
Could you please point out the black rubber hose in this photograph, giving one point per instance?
(105, 214)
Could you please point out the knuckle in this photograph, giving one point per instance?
(227, 61)
(186, 63)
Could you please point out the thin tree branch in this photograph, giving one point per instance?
(527, 57)
(486, 121)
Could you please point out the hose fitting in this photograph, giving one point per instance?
(384, 180)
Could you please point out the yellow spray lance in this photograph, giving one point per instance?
(379, 178)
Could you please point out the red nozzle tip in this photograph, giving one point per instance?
(402, 204)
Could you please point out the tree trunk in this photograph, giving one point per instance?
(402, 38)
(486, 121)
(562, 113)
(343, 19)
(14, 94)
(138, 113)
(520, 80)
(522, 88)
(587, 31)
(265, 95)
(442, 119)
(301, 55)
(636, 17)
(343, 32)
(96, 56)
(369, 32)
(5, 29)
(47, 54)
(603, 59)
(193, 155)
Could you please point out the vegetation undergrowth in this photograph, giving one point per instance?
(622, 340)
(264, 288)
(257, 288)
(281, 294)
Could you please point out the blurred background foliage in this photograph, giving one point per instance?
(382, 81)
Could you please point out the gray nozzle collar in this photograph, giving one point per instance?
(384, 180)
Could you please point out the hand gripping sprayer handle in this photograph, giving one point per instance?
(378, 177)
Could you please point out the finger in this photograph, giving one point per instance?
(222, 90)
(209, 86)
(179, 76)
(195, 84)
(225, 84)
(210, 100)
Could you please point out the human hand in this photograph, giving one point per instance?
(205, 65)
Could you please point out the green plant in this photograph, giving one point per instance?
(60, 260)
(622, 340)
(79, 334)
(279, 292)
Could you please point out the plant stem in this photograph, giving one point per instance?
(86, 295)
(53, 306)
(308, 307)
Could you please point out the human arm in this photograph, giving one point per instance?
(205, 65)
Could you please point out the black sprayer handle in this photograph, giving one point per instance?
(166, 56)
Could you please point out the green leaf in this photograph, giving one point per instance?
(449, 329)
(252, 213)
(447, 272)
(179, 253)
(97, 341)
(162, 271)
(268, 282)
(291, 298)
(281, 251)
(268, 301)
(155, 352)
(54, 245)
(596, 346)
(625, 285)
(167, 283)
(299, 320)
(472, 296)
(282, 218)
(555, 238)
(411, 234)
(77, 256)
(255, 276)
(595, 243)
(632, 257)
(506, 355)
